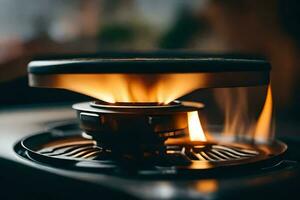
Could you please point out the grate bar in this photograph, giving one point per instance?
(61, 150)
(76, 151)
(224, 156)
(213, 153)
(231, 155)
(200, 157)
(91, 155)
(231, 150)
(204, 154)
(57, 147)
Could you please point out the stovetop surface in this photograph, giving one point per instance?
(23, 178)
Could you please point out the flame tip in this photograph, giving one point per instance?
(195, 129)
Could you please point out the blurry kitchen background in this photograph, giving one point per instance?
(40, 28)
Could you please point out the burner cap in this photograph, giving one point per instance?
(102, 78)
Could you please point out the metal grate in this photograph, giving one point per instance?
(216, 153)
(64, 146)
(87, 149)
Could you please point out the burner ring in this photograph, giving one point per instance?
(135, 105)
(138, 108)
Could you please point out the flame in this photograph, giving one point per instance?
(161, 88)
(263, 130)
(195, 129)
(236, 111)
(239, 123)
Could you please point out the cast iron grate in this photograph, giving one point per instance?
(88, 149)
(63, 146)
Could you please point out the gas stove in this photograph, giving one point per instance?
(141, 148)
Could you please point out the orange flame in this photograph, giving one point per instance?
(236, 112)
(263, 130)
(162, 88)
(195, 129)
(239, 123)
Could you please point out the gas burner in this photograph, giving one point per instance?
(134, 128)
(138, 134)
(71, 150)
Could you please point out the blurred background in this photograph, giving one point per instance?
(52, 28)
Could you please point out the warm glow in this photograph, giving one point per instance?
(263, 130)
(195, 129)
(207, 186)
(138, 87)
(162, 88)
(234, 103)
(238, 120)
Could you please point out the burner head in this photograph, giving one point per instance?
(134, 128)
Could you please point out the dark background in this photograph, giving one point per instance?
(57, 28)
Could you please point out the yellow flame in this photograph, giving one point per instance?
(161, 88)
(234, 104)
(195, 129)
(239, 121)
(263, 130)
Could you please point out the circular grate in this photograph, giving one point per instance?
(214, 153)
(79, 148)
(84, 149)
(65, 147)
(87, 149)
